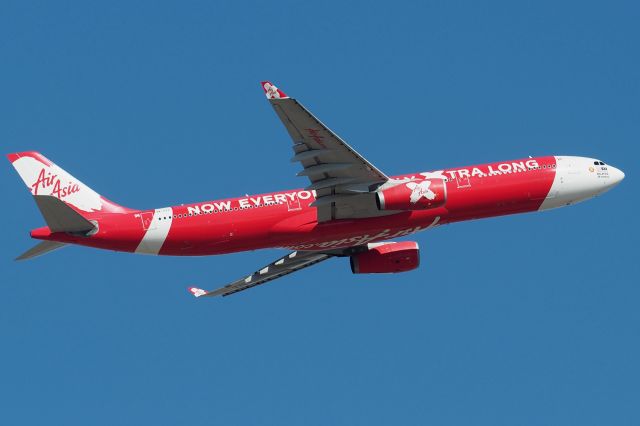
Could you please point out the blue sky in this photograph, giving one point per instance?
(529, 319)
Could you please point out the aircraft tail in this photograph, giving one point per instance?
(66, 204)
(43, 177)
(60, 217)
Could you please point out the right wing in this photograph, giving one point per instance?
(342, 178)
(285, 265)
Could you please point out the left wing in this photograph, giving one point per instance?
(342, 179)
(283, 266)
(39, 249)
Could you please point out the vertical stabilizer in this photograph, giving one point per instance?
(43, 177)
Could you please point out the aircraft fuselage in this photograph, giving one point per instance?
(286, 219)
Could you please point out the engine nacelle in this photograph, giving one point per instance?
(414, 195)
(384, 258)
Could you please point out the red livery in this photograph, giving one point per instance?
(349, 208)
(386, 257)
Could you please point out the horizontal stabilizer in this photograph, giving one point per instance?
(39, 249)
(60, 217)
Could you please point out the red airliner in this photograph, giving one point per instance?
(349, 209)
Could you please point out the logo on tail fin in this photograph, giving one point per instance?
(46, 180)
(42, 177)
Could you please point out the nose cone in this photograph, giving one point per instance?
(578, 179)
(615, 176)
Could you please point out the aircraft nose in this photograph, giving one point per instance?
(616, 175)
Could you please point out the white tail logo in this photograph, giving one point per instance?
(48, 179)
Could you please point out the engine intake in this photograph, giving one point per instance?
(383, 258)
(414, 195)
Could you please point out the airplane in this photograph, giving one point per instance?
(349, 208)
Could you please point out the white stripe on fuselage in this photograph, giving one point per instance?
(157, 233)
(552, 200)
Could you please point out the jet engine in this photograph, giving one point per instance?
(389, 257)
(414, 195)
